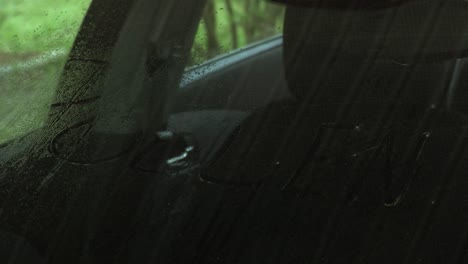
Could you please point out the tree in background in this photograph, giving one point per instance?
(39, 26)
(229, 24)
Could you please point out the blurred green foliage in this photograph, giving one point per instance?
(231, 24)
(36, 26)
(31, 29)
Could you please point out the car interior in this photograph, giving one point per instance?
(343, 140)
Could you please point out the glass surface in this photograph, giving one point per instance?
(229, 25)
(36, 36)
(342, 140)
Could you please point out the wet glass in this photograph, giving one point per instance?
(336, 132)
(35, 39)
(229, 25)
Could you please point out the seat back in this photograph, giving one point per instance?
(367, 165)
(332, 53)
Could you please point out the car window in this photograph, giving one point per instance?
(36, 36)
(341, 140)
(229, 25)
(235, 67)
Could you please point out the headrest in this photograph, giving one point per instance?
(322, 41)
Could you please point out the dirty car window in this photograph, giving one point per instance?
(36, 36)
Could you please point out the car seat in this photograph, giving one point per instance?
(363, 166)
